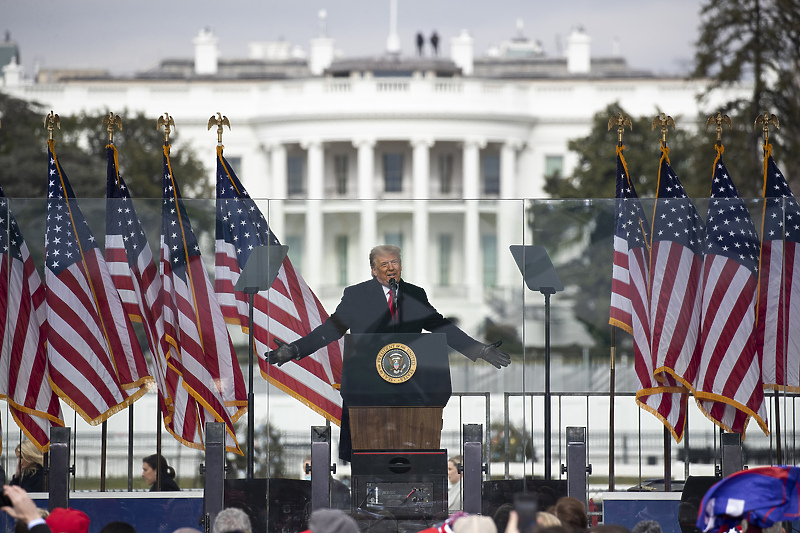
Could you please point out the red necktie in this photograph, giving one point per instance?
(391, 306)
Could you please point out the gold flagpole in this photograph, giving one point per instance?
(764, 121)
(664, 121)
(620, 122)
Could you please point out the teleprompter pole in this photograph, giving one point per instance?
(548, 430)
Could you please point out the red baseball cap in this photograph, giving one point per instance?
(67, 520)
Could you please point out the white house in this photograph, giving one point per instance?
(436, 154)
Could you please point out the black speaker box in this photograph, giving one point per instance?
(406, 484)
(499, 492)
(289, 502)
(692, 496)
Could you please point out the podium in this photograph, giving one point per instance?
(395, 386)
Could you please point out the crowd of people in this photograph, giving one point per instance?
(568, 515)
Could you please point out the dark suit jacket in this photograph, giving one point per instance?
(40, 528)
(364, 309)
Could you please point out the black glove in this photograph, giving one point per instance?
(495, 357)
(283, 354)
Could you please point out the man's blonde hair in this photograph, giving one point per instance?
(383, 249)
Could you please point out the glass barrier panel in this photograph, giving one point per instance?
(559, 342)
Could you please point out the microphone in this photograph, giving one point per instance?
(393, 288)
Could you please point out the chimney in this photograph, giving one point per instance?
(12, 73)
(461, 52)
(579, 52)
(205, 53)
(322, 48)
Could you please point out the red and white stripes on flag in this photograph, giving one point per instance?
(778, 322)
(287, 311)
(136, 277)
(727, 371)
(95, 358)
(676, 259)
(24, 372)
(630, 308)
(193, 320)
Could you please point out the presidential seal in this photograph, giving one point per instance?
(396, 363)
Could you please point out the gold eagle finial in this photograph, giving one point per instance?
(165, 121)
(764, 121)
(110, 121)
(620, 122)
(718, 121)
(664, 121)
(219, 121)
(51, 122)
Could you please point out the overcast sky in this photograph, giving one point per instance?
(125, 37)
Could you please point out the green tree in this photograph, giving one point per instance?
(80, 145)
(140, 144)
(754, 41)
(268, 453)
(520, 447)
(23, 152)
(595, 174)
(589, 226)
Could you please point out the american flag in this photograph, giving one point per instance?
(727, 384)
(631, 257)
(629, 304)
(288, 310)
(629, 298)
(94, 355)
(24, 372)
(135, 275)
(193, 320)
(778, 323)
(676, 261)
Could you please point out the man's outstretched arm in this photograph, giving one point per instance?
(493, 356)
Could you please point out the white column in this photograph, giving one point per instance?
(421, 168)
(421, 180)
(275, 214)
(508, 167)
(278, 171)
(256, 181)
(314, 227)
(366, 195)
(471, 159)
(366, 168)
(510, 214)
(473, 261)
(315, 165)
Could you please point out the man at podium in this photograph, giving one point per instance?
(384, 304)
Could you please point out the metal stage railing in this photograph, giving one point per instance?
(638, 442)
